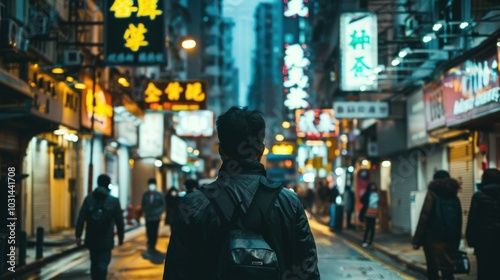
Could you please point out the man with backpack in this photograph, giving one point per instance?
(100, 212)
(439, 228)
(242, 226)
(152, 206)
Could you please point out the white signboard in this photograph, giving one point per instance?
(359, 51)
(151, 135)
(361, 110)
(296, 8)
(195, 123)
(296, 79)
(178, 150)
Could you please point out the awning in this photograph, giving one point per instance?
(13, 82)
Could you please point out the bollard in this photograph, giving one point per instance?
(39, 243)
(23, 241)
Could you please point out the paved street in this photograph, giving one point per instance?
(338, 259)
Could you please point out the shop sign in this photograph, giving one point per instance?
(195, 123)
(59, 165)
(126, 133)
(134, 32)
(176, 95)
(283, 148)
(178, 150)
(434, 105)
(315, 123)
(361, 110)
(54, 100)
(416, 129)
(103, 111)
(151, 135)
(471, 90)
(358, 51)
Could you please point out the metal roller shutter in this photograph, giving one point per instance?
(403, 182)
(461, 169)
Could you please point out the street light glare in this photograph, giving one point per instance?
(464, 25)
(80, 86)
(57, 70)
(280, 137)
(437, 26)
(188, 44)
(286, 124)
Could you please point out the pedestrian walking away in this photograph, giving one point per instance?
(153, 206)
(439, 227)
(99, 214)
(242, 202)
(348, 198)
(483, 225)
(370, 200)
(172, 202)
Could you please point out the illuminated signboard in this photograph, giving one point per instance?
(315, 123)
(296, 56)
(176, 95)
(195, 123)
(359, 51)
(151, 135)
(134, 32)
(283, 148)
(434, 105)
(178, 150)
(471, 89)
(103, 111)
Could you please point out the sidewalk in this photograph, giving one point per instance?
(398, 247)
(55, 246)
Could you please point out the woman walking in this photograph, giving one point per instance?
(370, 201)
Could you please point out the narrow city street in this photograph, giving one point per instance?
(338, 259)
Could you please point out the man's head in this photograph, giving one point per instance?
(490, 176)
(441, 174)
(152, 184)
(103, 180)
(241, 133)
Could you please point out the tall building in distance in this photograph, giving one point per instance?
(266, 87)
(229, 75)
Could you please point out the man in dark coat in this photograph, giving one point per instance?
(439, 227)
(198, 235)
(152, 206)
(348, 198)
(483, 225)
(100, 212)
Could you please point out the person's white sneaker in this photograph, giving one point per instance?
(364, 245)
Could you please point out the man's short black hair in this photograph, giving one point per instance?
(103, 180)
(241, 132)
(151, 181)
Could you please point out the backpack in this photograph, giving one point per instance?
(98, 217)
(245, 254)
(447, 218)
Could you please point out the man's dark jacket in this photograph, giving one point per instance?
(483, 223)
(101, 238)
(443, 248)
(197, 236)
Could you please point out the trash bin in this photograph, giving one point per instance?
(336, 216)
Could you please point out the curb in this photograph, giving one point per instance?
(29, 268)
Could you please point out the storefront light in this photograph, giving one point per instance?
(386, 163)
(70, 79)
(338, 171)
(364, 162)
(80, 86)
(60, 131)
(158, 163)
(57, 70)
(190, 149)
(279, 137)
(196, 152)
(350, 169)
(286, 124)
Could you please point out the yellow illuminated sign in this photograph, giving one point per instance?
(123, 8)
(173, 91)
(283, 149)
(134, 37)
(152, 93)
(102, 109)
(148, 8)
(194, 92)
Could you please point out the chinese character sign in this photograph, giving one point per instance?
(293, 8)
(359, 51)
(361, 110)
(296, 81)
(134, 32)
(103, 110)
(176, 95)
(315, 123)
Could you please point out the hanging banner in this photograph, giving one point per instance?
(358, 51)
(434, 105)
(103, 111)
(134, 32)
(151, 134)
(176, 95)
(415, 120)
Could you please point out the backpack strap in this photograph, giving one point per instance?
(261, 205)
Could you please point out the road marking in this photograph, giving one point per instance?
(326, 230)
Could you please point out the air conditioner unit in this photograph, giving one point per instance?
(72, 58)
(22, 39)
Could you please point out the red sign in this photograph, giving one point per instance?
(471, 90)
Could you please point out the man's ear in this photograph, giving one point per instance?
(223, 156)
(259, 157)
